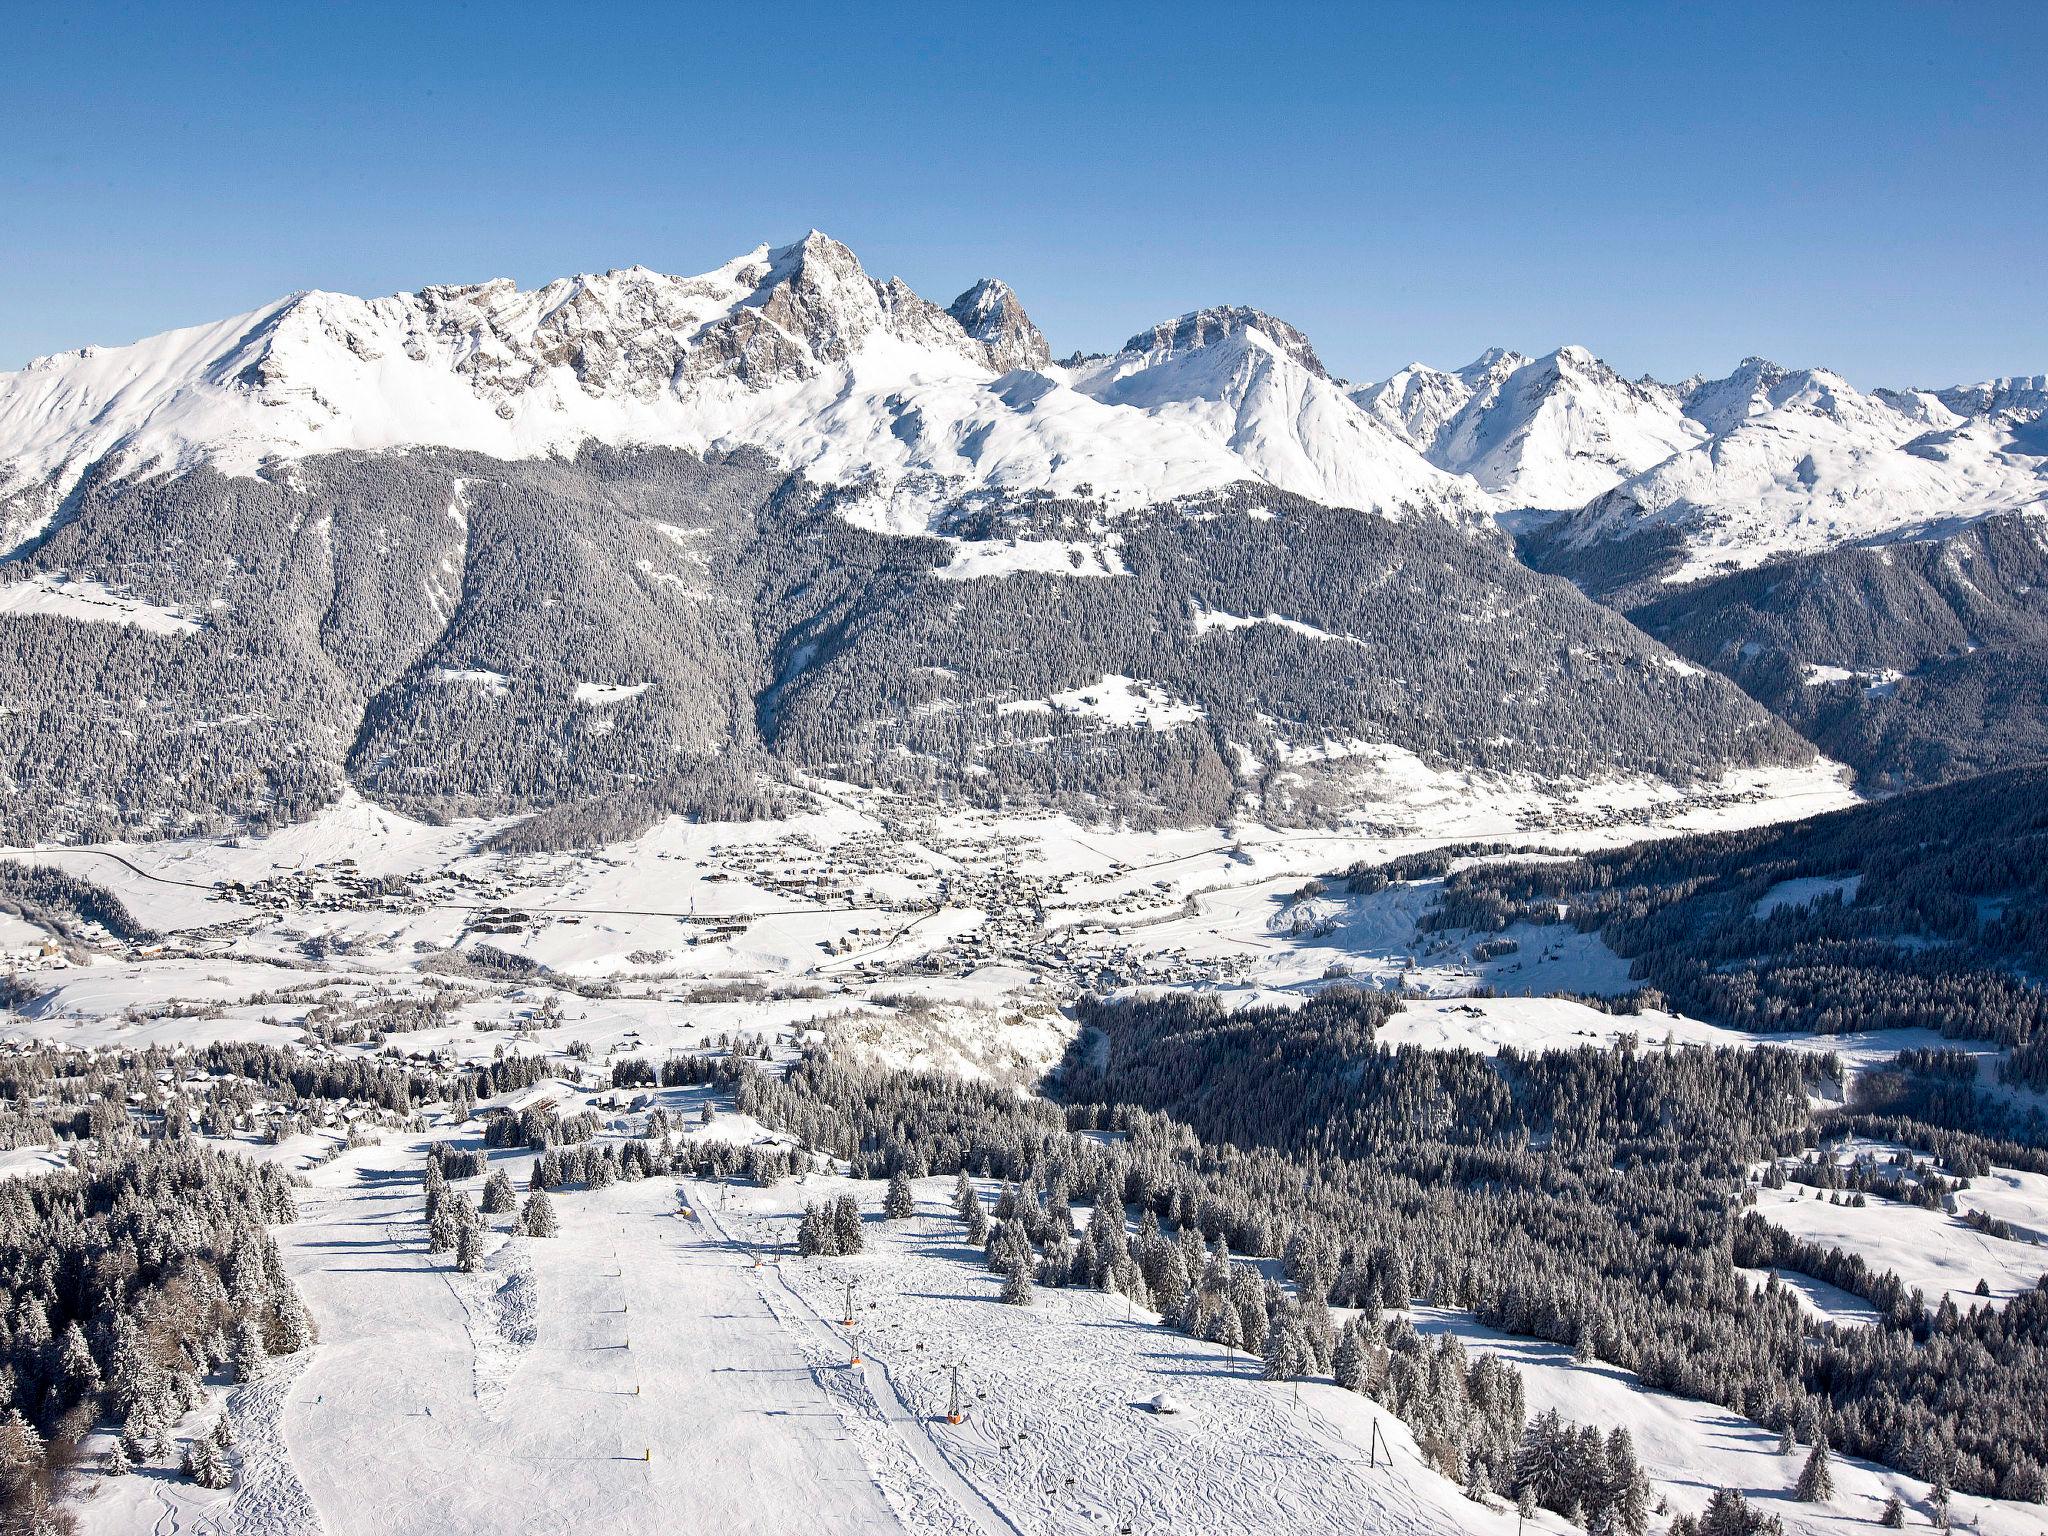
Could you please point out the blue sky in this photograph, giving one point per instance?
(1675, 187)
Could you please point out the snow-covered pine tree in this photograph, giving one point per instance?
(814, 1233)
(1348, 1363)
(1543, 1463)
(1817, 1478)
(537, 1216)
(1017, 1284)
(77, 1371)
(248, 1351)
(899, 1203)
(294, 1327)
(846, 1225)
(1229, 1331)
(206, 1466)
(469, 1248)
(1628, 1486)
(498, 1196)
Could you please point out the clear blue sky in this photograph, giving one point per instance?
(1861, 185)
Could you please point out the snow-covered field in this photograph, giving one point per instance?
(639, 1371)
(1932, 1251)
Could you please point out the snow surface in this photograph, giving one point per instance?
(1805, 892)
(601, 695)
(1931, 1251)
(89, 602)
(1115, 700)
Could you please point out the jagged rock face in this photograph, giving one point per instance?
(798, 353)
(990, 313)
(2022, 392)
(1205, 327)
(795, 351)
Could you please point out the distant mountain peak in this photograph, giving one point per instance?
(1205, 327)
(991, 314)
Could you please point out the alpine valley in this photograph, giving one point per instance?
(1124, 942)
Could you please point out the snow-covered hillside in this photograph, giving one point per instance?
(1254, 385)
(797, 351)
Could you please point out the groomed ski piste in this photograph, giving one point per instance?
(668, 1361)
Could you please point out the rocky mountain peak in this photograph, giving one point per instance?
(1204, 327)
(990, 313)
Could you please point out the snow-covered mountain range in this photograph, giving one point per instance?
(1722, 473)
(797, 351)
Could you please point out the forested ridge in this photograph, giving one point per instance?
(1930, 910)
(647, 632)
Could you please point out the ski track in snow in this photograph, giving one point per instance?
(925, 1488)
(619, 1377)
(269, 1499)
(1057, 1443)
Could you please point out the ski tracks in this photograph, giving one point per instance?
(925, 1489)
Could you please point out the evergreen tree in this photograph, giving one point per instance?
(846, 1225)
(1817, 1478)
(1348, 1364)
(206, 1466)
(498, 1195)
(1894, 1517)
(116, 1462)
(898, 1203)
(248, 1352)
(1543, 1463)
(469, 1249)
(294, 1327)
(537, 1217)
(1229, 1330)
(1286, 1352)
(814, 1234)
(76, 1367)
(1628, 1486)
(1017, 1284)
